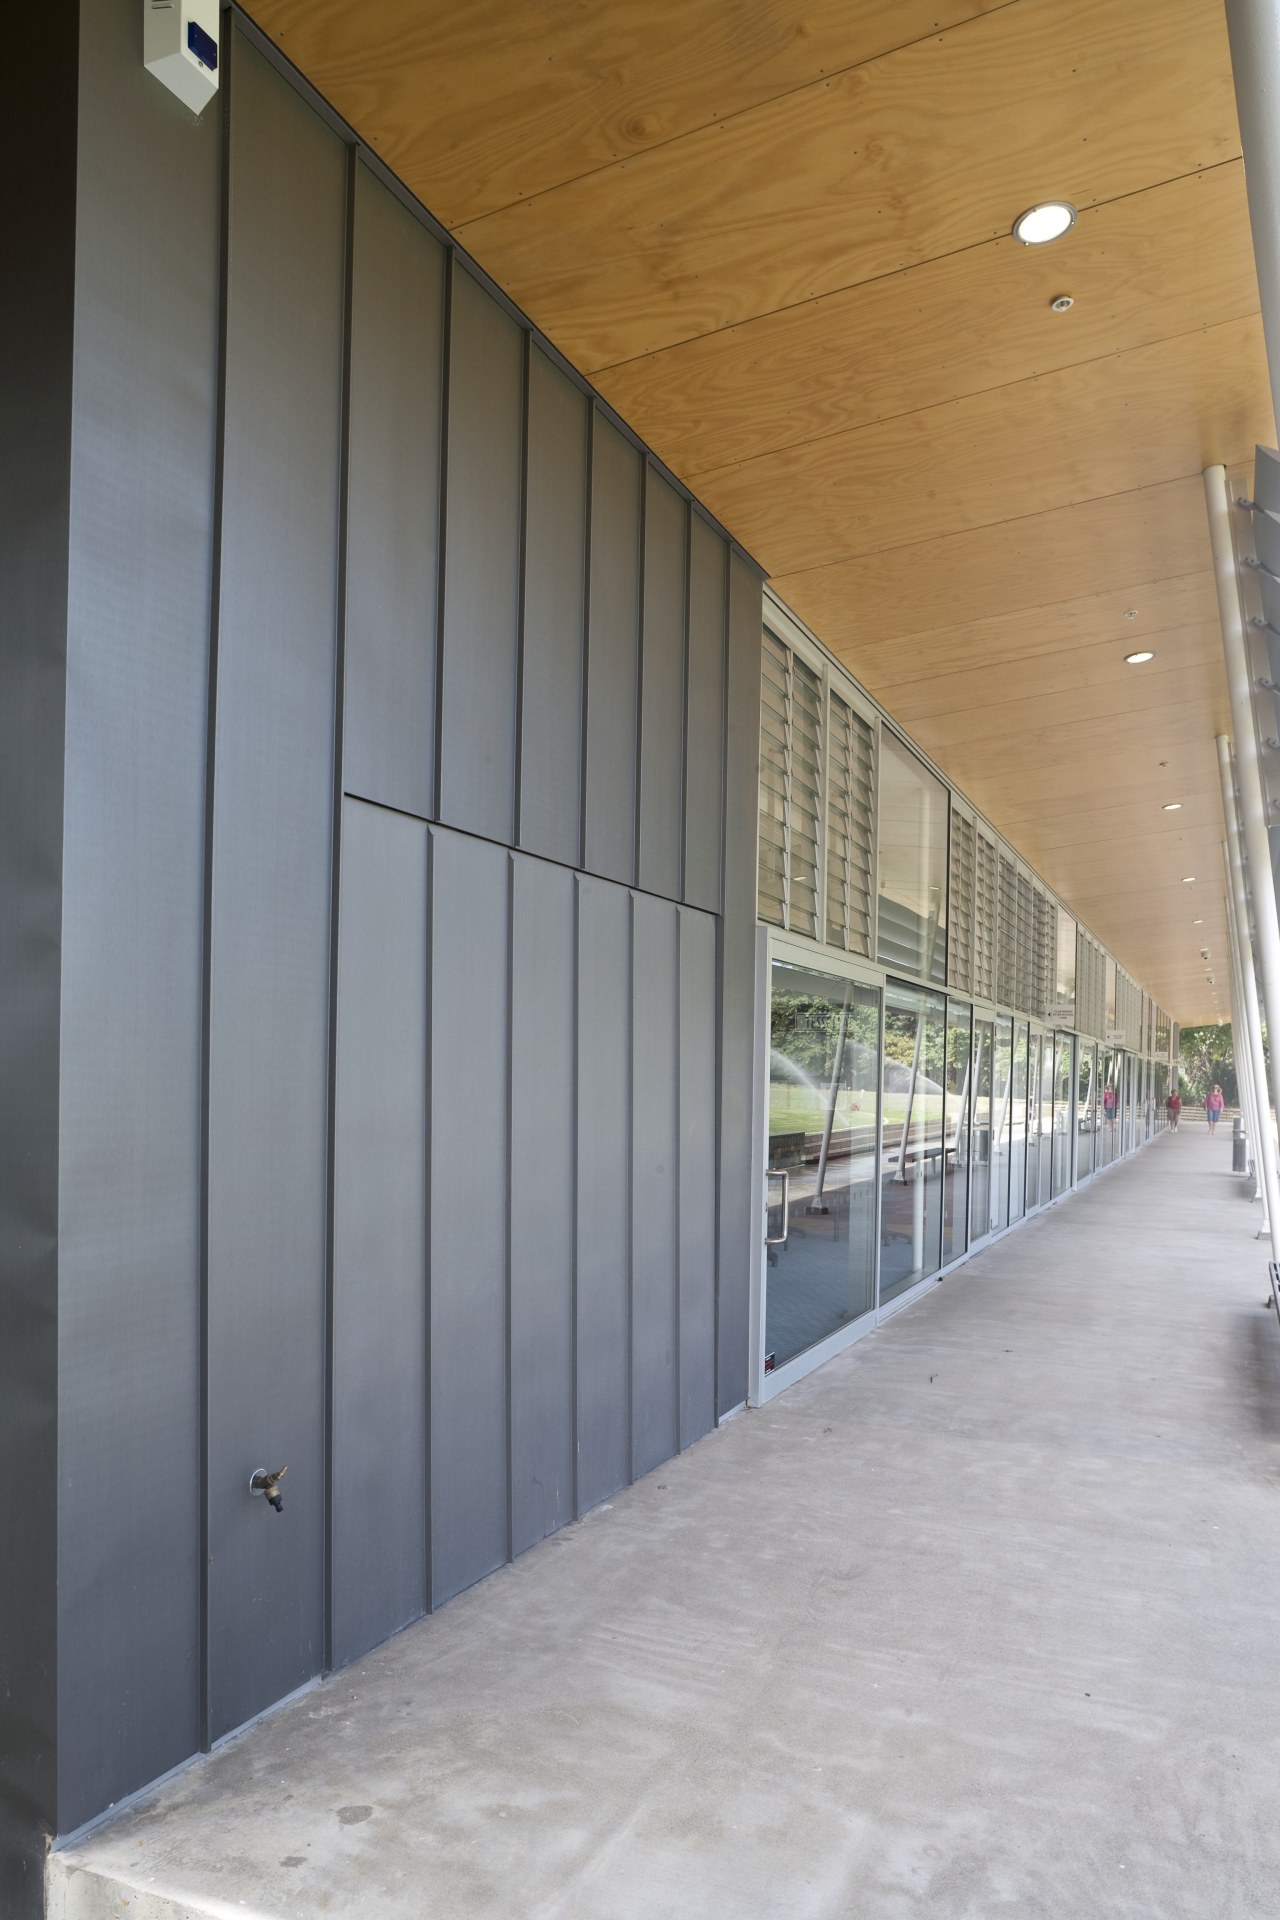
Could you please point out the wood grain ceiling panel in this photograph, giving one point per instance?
(1117, 543)
(934, 147)
(1110, 426)
(1167, 261)
(478, 103)
(954, 660)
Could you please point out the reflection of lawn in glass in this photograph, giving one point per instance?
(794, 1110)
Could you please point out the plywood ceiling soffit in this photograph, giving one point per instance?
(477, 104)
(1106, 427)
(894, 162)
(1171, 260)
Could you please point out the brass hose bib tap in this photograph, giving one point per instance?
(260, 1481)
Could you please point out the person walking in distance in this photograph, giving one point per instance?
(1213, 1106)
(1173, 1107)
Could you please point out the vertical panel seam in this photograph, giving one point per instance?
(682, 876)
(335, 881)
(631, 1184)
(509, 1130)
(642, 559)
(442, 518)
(586, 637)
(575, 1124)
(206, 983)
(677, 1172)
(428, 1569)
(517, 785)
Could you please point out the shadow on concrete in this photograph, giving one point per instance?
(1259, 1338)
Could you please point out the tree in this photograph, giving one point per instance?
(1205, 1056)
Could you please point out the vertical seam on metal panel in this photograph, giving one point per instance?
(687, 620)
(631, 1183)
(724, 731)
(517, 810)
(206, 983)
(721, 969)
(442, 523)
(428, 1570)
(677, 1264)
(510, 1136)
(335, 881)
(637, 796)
(586, 639)
(575, 1103)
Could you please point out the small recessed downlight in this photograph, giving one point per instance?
(1197, 923)
(1049, 221)
(1188, 879)
(1139, 659)
(1172, 806)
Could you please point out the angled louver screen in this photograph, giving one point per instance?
(790, 790)
(961, 900)
(1007, 934)
(806, 799)
(850, 791)
(1046, 954)
(1025, 970)
(985, 902)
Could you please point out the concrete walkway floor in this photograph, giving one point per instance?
(979, 1620)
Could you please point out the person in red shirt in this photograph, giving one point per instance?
(1213, 1106)
(1173, 1107)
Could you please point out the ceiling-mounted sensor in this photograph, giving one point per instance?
(180, 46)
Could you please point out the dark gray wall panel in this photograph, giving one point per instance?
(482, 565)
(272, 853)
(393, 503)
(666, 524)
(380, 1232)
(469, 1119)
(655, 1167)
(554, 609)
(604, 1185)
(542, 1174)
(704, 783)
(737, 981)
(697, 1175)
(133, 924)
(613, 654)
(38, 143)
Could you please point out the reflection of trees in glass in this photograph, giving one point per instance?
(1206, 1055)
(805, 1027)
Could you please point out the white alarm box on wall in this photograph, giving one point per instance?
(180, 46)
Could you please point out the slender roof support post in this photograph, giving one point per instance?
(1253, 27)
(1254, 846)
(1238, 913)
(1246, 1032)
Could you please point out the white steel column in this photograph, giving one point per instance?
(1253, 27)
(1255, 847)
(1246, 1067)
(1238, 910)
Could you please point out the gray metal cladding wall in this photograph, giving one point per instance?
(407, 962)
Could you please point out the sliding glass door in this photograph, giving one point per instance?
(824, 1078)
(915, 1044)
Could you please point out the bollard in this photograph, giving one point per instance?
(1239, 1146)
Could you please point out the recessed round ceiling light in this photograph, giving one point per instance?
(1197, 923)
(1049, 221)
(1138, 659)
(1172, 806)
(1188, 879)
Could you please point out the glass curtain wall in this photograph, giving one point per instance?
(911, 1160)
(913, 808)
(1003, 1105)
(956, 1109)
(982, 1128)
(1063, 1099)
(1047, 1151)
(1019, 1115)
(824, 1078)
(1111, 1100)
(1086, 1108)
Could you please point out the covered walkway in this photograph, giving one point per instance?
(978, 1620)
